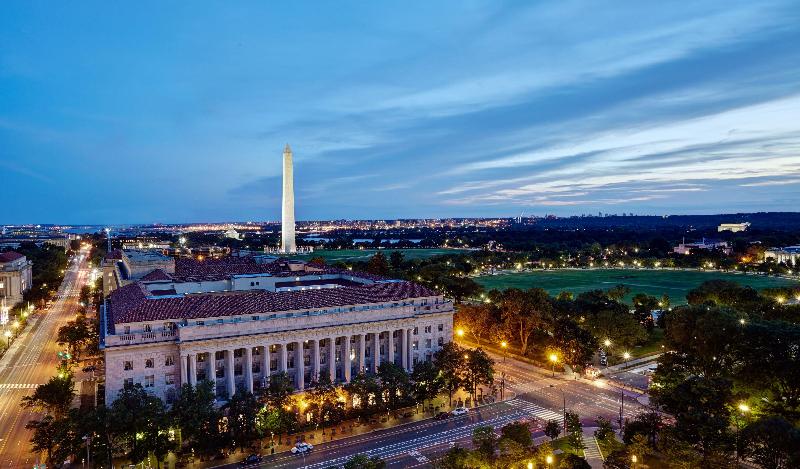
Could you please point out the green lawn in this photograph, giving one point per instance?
(675, 283)
(354, 255)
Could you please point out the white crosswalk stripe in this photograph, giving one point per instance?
(17, 386)
(536, 411)
(591, 448)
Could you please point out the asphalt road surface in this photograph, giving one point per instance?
(31, 361)
(538, 397)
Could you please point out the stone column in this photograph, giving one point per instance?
(282, 367)
(315, 360)
(211, 369)
(265, 371)
(404, 348)
(193, 369)
(376, 351)
(184, 365)
(299, 366)
(346, 364)
(248, 369)
(410, 350)
(390, 347)
(229, 378)
(332, 358)
(362, 345)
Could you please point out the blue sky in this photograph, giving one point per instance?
(129, 112)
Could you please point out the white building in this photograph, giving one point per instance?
(15, 277)
(238, 320)
(789, 255)
(705, 244)
(733, 227)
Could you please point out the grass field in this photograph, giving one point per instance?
(353, 255)
(674, 283)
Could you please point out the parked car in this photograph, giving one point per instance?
(442, 416)
(459, 411)
(302, 447)
(252, 459)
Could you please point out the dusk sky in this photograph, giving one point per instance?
(138, 112)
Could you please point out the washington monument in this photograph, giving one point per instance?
(287, 212)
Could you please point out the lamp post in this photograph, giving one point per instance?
(743, 410)
(549, 460)
(553, 360)
(626, 356)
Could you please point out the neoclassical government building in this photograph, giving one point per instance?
(238, 320)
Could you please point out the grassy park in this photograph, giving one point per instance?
(674, 283)
(363, 255)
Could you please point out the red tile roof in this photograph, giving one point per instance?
(191, 270)
(156, 275)
(131, 303)
(10, 256)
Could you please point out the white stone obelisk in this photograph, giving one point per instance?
(287, 212)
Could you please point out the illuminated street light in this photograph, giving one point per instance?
(460, 332)
(744, 408)
(742, 321)
(607, 343)
(549, 459)
(554, 359)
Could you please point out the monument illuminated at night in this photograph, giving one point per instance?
(287, 210)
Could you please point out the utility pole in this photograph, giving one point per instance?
(621, 408)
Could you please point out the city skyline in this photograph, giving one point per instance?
(396, 112)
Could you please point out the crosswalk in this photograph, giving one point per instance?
(591, 448)
(4, 386)
(536, 411)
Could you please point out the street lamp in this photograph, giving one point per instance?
(549, 459)
(743, 410)
(8, 339)
(530, 465)
(626, 356)
(460, 332)
(554, 360)
(634, 460)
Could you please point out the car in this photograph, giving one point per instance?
(252, 459)
(302, 448)
(459, 411)
(442, 416)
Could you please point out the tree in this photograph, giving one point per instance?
(395, 384)
(365, 392)
(448, 360)
(396, 259)
(76, 334)
(639, 447)
(242, 410)
(552, 429)
(361, 461)
(325, 404)
(618, 292)
(575, 344)
(574, 431)
(572, 461)
(455, 458)
(604, 429)
(518, 432)
(426, 381)
(619, 459)
(193, 411)
(49, 434)
(378, 265)
(478, 320)
(771, 442)
(523, 312)
(485, 441)
(620, 327)
(648, 424)
(139, 421)
(477, 369)
(53, 397)
(643, 306)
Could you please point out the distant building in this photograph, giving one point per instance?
(14, 242)
(236, 321)
(706, 244)
(789, 255)
(232, 234)
(15, 276)
(733, 227)
(122, 267)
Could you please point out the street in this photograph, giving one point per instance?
(537, 394)
(31, 361)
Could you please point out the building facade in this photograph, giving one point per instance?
(15, 276)
(237, 321)
(789, 255)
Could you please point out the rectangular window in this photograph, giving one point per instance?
(441, 341)
(169, 378)
(149, 381)
(237, 369)
(127, 365)
(290, 362)
(273, 364)
(428, 329)
(148, 328)
(427, 343)
(254, 318)
(416, 331)
(127, 330)
(169, 360)
(441, 327)
(200, 323)
(307, 360)
(128, 382)
(219, 355)
(219, 321)
(238, 353)
(149, 363)
(415, 345)
(220, 372)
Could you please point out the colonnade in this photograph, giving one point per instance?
(365, 350)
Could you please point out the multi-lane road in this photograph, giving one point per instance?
(31, 361)
(537, 395)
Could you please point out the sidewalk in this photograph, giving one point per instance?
(591, 451)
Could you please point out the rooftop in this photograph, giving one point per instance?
(9, 256)
(133, 303)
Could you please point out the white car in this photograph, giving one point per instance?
(302, 447)
(459, 411)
